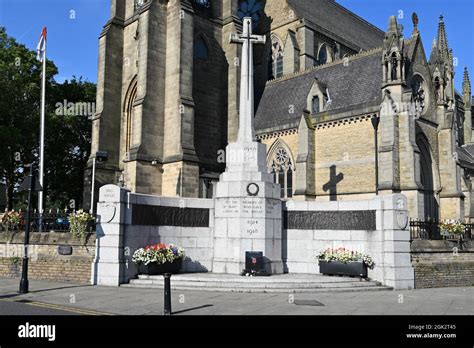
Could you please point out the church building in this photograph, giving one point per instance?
(347, 110)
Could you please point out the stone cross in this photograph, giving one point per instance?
(246, 112)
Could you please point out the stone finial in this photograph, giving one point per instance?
(442, 39)
(415, 20)
(466, 86)
(392, 26)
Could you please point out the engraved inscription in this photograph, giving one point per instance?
(330, 220)
(252, 206)
(272, 206)
(231, 206)
(252, 227)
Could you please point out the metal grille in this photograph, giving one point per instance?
(52, 221)
(431, 230)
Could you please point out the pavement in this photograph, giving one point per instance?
(46, 298)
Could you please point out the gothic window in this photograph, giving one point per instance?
(316, 106)
(129, 113)
(201, 51)
(252, 9)
(276, 60)
(204, 3)
(394, 61)
(322, 54)
(281, 166)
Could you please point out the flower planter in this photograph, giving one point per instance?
(354, 269)
(161, 268)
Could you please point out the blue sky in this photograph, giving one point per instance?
(73, 42)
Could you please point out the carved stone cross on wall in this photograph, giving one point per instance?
(246, 111)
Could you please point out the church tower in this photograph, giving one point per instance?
(162, 101)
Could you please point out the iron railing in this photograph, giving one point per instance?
(431, 230)
(51, 221)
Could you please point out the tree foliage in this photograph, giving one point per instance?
(67, 137)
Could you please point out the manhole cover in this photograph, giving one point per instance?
(307, 303)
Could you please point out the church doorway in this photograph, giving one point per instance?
(430, 205)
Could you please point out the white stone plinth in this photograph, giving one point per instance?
(247, 211)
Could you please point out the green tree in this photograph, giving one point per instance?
(20, 75)
(67, 147)
(67, 131)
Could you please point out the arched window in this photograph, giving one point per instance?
(322, 54)
(394, 62)
(275, 62)
(316, 107)
(129, 112)
(201, 51)
(281, 166)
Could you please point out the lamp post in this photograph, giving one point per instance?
(100, 156)
(375, 123)
(30, 183)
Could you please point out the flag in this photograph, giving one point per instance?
(41, 45)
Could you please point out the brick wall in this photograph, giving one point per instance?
(45, 261)
(437, 265)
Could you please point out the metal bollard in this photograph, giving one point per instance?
(167, 277)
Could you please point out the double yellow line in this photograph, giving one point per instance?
(58, 307)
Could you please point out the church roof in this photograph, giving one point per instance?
(466, 156)
(351, 87)
(340, 21)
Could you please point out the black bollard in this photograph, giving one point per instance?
(167, 277)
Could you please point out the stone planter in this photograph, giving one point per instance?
(353, 269)
(161, 268)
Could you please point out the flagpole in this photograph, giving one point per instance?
(41, 164)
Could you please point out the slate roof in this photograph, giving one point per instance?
(338, 20)
(350, 87)
(466, 156)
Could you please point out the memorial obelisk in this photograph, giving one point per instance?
(248, 206)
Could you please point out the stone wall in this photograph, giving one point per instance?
(129, 221)
(347, 161)
(373, 227)
(45, 261)
(439, 264)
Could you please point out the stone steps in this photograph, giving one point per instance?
(277, 283)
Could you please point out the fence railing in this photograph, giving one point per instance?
(51, 221)
(431, 230)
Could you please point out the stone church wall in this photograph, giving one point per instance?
(345, 165)
(209, 85)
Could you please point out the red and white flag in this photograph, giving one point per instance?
(41, 45)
